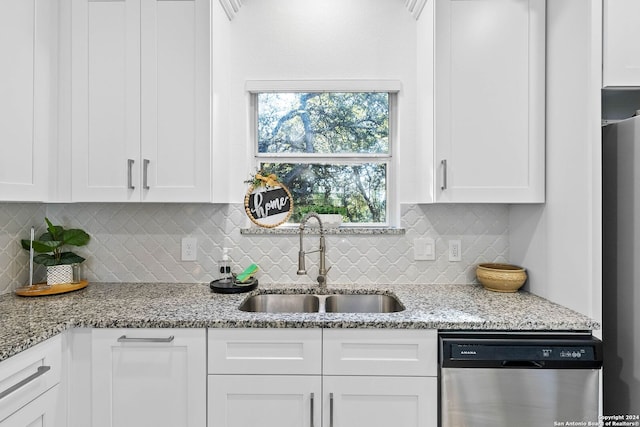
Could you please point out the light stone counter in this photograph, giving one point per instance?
(25, 322)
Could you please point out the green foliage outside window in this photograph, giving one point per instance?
(330, 149)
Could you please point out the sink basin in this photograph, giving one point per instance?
(360, 303)
(282, 303)
(334, 303)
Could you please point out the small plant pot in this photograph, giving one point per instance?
(57, 274)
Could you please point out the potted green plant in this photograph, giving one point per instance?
(50, 249)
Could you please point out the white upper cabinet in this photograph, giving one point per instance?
(621, 43)
(140, 101)
(487, 88)
(25, 98)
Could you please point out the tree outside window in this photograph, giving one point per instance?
(330, 149)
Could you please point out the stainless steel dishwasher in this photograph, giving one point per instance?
(516, 379)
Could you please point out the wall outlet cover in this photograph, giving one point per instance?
(189, 250)
(455, 250)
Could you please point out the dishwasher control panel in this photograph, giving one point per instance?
(523, 352)
(520, 352)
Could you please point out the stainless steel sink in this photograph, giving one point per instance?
(333, 303)
(362, 304)
(281, 303)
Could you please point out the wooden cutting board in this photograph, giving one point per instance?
(41, 289)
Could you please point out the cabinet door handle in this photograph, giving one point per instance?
(444, 174)
(145, 174)
(311, 416)
(130, 185)
(125, 338)
(41, 371)
(330, 409)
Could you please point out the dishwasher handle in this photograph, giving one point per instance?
(522, 364)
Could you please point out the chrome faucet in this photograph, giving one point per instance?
(322, 271)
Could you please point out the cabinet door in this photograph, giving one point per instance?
(40, 412)
(621, 50)
(105, 100)
(176, 153)
(265, 401)
(149, 377)
(490, 67)
(25, 107)
(380, 401)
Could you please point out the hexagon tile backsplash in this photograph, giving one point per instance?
(141, 243)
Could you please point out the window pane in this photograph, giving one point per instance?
(323, 123)
(356, 191)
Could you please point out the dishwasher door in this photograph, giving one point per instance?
(533, 381)
(486, 397)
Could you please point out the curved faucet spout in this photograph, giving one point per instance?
(322, 271)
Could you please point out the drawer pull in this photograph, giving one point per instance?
(145, 173)
(444, 175)
(130, 185)
(41, 371)
(125, 338)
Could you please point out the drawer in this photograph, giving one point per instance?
(399, 352)
(28, 374)
(265, 351)
(42, 411)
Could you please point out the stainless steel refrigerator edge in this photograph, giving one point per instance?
(621, 267)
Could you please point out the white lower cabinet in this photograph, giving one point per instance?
(41, 412)
(379, 401)
(30, 387)
(379, 377)
(366, 377)
(148, 377)
(265, 400)
(265, 377)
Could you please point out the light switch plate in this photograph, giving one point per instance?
(424, 249)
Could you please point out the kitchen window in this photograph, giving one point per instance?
(332, 149)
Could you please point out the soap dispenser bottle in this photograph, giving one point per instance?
(224, 266)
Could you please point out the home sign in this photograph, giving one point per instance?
(268, 202)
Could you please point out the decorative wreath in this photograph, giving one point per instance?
(268, 202)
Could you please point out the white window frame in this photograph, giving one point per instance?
(392, 87)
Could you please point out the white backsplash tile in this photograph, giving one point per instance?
(141, 243)
(16, 220)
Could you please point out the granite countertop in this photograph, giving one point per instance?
(26, 321)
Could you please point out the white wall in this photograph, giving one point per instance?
(560, 242)
(316, 40)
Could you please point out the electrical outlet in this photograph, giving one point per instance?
(189, 249)
(424, 249)
(455, 250)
